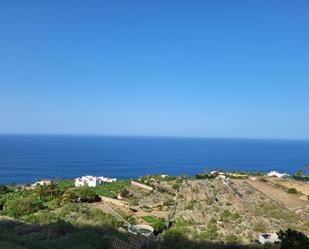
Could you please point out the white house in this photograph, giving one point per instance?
(42, 182)
(103, 179)
(268, 238)
(276, 174)
(92, 181)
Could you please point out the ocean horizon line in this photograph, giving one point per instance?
(152, 136)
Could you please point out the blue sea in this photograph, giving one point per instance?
(25, 158)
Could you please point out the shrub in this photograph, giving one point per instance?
(175, 238)
(190, 204)
(41, 217)
(292, 191)
(293, 239)
(87, 195)
(226, 216)
(157, 223)
(168, 202)
(200, 176)
(4, 190)
(132, 200)
(169, 178)
(69, 196)
(176, 186)
(131, 220)
(65, 184)
(262, 179)
(231, 238)
(146, 208)
(22, 206)
(53, 204)
(209, 234)
(259, 227)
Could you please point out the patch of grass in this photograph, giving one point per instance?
(65, 184)
(149, 219)
(176, 186)
(226, 216)
(112, 189)
(132, 200)
(146, 209)
(190, 204)
(259, 227)
(231, 238)
(157, 223)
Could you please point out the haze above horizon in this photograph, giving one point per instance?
(163, 68)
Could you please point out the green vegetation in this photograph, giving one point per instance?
(157, 223)
(87, 194)
(59, 235)
(226, 216)
(22, 206)
(259, 227)
(190, 204)
(65, 184)
(18, 202)
(112, 189)
(4, 190)
(176, 186)
(211, 232)
(202, 176)
(292, 191)
(59, 216)
(293, 239)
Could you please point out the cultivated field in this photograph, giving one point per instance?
(302, 187)
(210, 210)
(280, 194)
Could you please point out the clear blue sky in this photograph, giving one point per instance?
(169, 68)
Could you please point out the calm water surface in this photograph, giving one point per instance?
(26, 158)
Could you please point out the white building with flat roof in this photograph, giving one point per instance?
(92, 181)
(277, 174)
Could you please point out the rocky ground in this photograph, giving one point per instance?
(208, 209)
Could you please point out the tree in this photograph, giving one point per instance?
(292, 191)
(292, 239)
(69, 196)
(87, 195)
(298, 173)
(4, 190)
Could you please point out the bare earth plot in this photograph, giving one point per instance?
(289, 200)
(302, 187)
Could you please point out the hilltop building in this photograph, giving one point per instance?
(277, 174)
